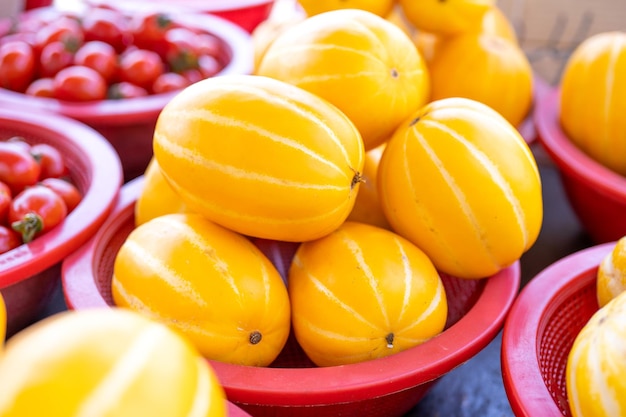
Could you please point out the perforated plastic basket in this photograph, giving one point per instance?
(292, 386)
(540, 331)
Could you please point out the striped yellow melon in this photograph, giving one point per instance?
(593, 102)
(105, 362)
(360, 62)
(3, 321)
(378, 7)
(485, 68)
(362, 293)
(460, 182)
(208, 282)
(449, 17)
(157, 197)
(611, 275)
(595, 369)
(260, 156)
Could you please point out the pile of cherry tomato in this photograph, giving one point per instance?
(36, 193)
(103, 54)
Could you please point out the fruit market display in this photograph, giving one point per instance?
(592, 102)
(611, 278)
(105, 362)
(103, 54)
(36, 193)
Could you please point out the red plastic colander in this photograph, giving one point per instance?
(292, 385)
(540, 331)
(29, 273)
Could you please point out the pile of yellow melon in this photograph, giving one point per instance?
(334, 145)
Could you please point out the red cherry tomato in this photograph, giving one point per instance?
(5, 202)
(50, 160)
(209, 66)
(209, 45)
(35, 211)
(64, 29)
(125, 90)
(99, 56)
(18, 168)
(9, 239)
(169, 81)
(182, 49)
(149, 31)
(41, 87)
(66, 190)
(140, 67)
(79, 83)
(108, 26)
(17, 65)
(54, 57)
(17, 141)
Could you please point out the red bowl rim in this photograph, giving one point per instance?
(116, 112)
(569, 159)
(347, 383)
(523, 381)
(97, 202)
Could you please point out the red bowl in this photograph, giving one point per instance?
(245, 13)
(129, 124)
(292, 386)
(540, 330)
(596, 194)
(527, 127)
(29, 273)
(234, 411)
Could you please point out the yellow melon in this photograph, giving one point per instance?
(260, 156)
(611, 275)
(378, 7)
(449, 17)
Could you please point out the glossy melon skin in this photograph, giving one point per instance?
(461, 183)
(378, 7)
(260, 156)
(611, 275)
(109, 363)
(593, 102)
(362, 293)
(595, 365)
(362, 63)
(446, 18)
(3, 321)
(208, 282)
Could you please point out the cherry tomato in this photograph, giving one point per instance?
(64, 29)
(18, 168)
(65, 189)
(28, 37)
(79, 83)
(9, 239)
(108, 26)
(54, 57)
(193, 75)
(5, 202)
(209, 45)
(41, 87)
(100, 56)
(17, 65)
(140, 67)
(209, 65)
(169, 81)
(149, 31)
(125, 89)
(35, 211)
(17, 141)
(50, 160)
(182, 49)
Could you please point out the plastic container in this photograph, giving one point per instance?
(596, 194)
(245, 13)
(292, 386)
(128, 124)
(29, 273)
(540, 331)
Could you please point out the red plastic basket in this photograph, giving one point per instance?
(292, 386)
(29, 273)
(596, 194)
(540, 331)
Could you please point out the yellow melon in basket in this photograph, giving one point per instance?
(209, 283)
(260, 156)
(611, 276)
(367, 208)
(105, 362)
(592, 101)
(485, 68)
(378, 7)
(446, 18)
(360, 62)
(362, 293)
(595, 369)
(268, 30)
(157, 197)
(461, 183)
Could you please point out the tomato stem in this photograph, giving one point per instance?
(29, 226)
